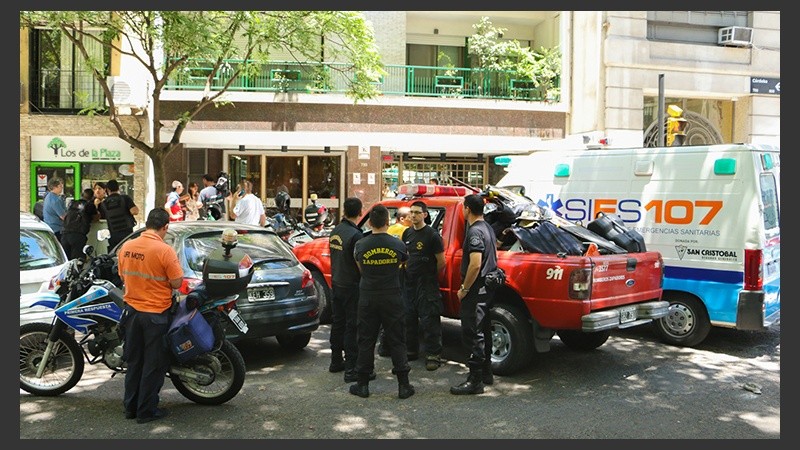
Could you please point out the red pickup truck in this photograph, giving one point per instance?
(580, 298)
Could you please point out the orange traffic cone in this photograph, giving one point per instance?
(592, 250)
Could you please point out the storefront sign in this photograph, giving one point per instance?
(760, 85)
(80, 148)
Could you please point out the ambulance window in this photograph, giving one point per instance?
(769, 198)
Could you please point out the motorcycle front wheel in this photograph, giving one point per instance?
(220, 376)
(63, 369)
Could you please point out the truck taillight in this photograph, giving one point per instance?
(580, 284)
(753, 275)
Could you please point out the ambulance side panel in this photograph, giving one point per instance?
(700, 207)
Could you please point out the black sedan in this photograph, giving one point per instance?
(280, 300)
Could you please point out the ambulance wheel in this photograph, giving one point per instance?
(579, 340)
(686, 324)
(512, 339)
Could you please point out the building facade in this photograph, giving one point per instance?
(423, 127)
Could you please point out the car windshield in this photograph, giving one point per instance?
(262, 247)
(39, 249)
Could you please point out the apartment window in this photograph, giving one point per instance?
(427, 56)
(693, 27)
(60, 77)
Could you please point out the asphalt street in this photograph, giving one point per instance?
(632, 387)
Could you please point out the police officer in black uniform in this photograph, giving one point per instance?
(379, 256)
(423, 299)
(344, 304)
(480, 258)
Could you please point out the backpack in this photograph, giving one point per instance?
(75, 220)
(38, 209)
(116, 215)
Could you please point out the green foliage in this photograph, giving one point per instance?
(542, 67)
(170, 43)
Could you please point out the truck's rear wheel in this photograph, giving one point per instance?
(511, 340)
(579, 340)
(686, 324)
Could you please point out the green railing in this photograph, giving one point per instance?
(313, 77)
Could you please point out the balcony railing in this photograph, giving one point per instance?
(314, 77)
(74, 90)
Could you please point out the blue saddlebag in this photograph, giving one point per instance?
(189, 335)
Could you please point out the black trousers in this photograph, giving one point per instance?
(423, 313)
(117, 237)
(73, 244)
(475, 324)
(376, 309)
(344, 324)
(147, 359)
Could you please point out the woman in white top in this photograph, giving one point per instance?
(249, 208)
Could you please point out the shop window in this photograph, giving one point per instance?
(324, 175)
(285, 173)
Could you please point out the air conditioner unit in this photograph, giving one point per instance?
(735, 36)
(128, 92)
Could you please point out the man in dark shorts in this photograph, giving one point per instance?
(423, 299)
(379, 256)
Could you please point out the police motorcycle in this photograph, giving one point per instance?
(88, 304)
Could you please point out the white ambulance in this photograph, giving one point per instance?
(712, 211)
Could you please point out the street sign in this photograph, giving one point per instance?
(759, 85)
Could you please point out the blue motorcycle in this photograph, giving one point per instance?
(88, 303)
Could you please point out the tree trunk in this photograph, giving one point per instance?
(158, 175)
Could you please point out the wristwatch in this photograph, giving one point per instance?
(463, 289)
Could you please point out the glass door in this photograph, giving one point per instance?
(43, 172)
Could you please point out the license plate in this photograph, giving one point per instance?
(237, 320)
(627, 314)
(261, 294)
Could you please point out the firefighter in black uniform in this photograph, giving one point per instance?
(480, 258)
(344, 304)
(379, 256)
(423, 299)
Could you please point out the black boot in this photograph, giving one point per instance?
(404, 388)
(361, 388)
(337, 362)
(473, 385)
